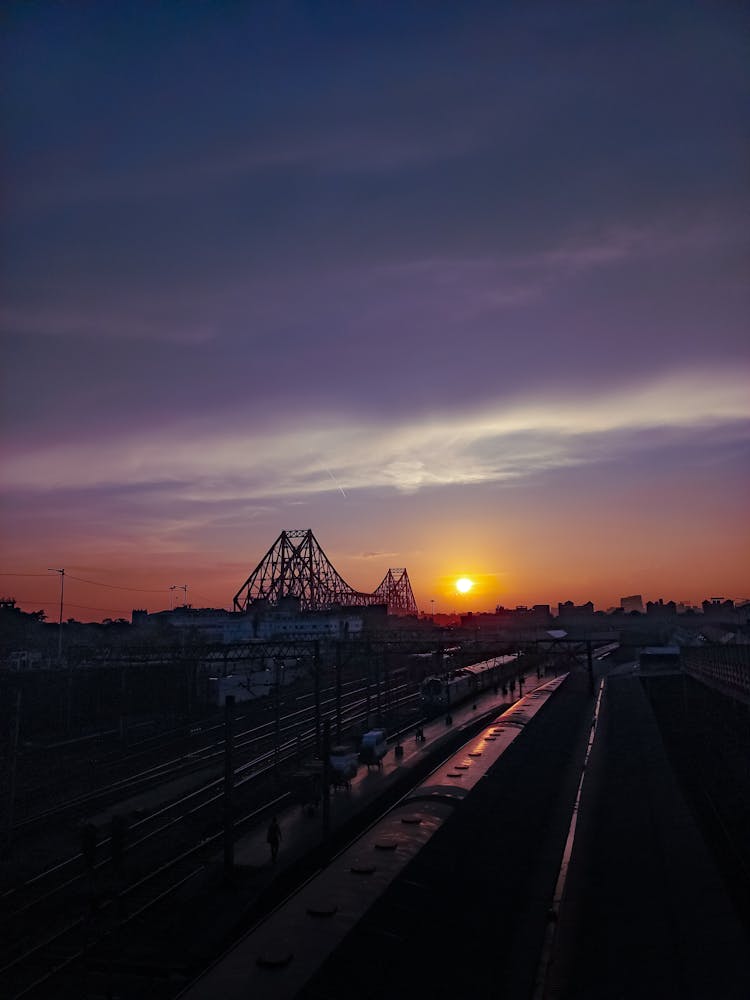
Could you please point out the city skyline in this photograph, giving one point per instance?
(454, 599)
(462, 289)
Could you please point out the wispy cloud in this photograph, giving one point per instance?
(514, 279)
(99, 323)
(492, 445)
(332, 150)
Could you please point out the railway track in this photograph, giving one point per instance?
(38, 963)
(191, 753)
(76, 906)
(79, 908)
(48, 967)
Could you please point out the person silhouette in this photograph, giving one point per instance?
(274, 837)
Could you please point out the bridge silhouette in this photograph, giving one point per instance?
(296, 566)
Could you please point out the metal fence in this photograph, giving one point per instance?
(726, 668)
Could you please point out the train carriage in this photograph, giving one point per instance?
(439, 693)
(282, 954)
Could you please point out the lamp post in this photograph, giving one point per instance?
(432, 605)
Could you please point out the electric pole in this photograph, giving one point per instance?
(590, 666)
(228, 798)
(177, 586)
(13, 750)
(62, 592)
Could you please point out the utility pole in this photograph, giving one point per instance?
(367, 695)
(338, 692)
(124, 700)
(590, 665)
(228, 786)
(386, 681)
(326, 780)
(277, 717)
(12, 752)
(377, 690)
(183, 587)
(62, 592)
(316, 681)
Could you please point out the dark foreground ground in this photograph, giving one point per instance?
(656, 904)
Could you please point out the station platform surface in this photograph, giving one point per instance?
(645, 912)
(302, 832)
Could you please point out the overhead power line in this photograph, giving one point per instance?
(115, 586)
(23, 574)
(95, 583)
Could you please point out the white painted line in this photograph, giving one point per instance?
(554, 912)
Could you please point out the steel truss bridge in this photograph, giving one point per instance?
(296, 566)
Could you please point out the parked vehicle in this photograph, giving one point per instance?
(344, 764)
(373, 748)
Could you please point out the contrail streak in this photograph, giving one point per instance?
(338, 484)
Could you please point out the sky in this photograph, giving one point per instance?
(462, 287)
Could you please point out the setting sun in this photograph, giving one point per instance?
(464, 585)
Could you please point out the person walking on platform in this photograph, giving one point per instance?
(274, 837)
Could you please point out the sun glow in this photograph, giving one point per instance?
(464, 585)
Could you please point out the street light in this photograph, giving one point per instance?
(432, 603)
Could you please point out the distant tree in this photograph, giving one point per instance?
(18, 627)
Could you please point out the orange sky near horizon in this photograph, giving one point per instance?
(529, 565)
(592, 533)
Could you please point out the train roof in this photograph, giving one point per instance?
(281, 955)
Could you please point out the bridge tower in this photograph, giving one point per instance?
(296, 566)
(395, 591)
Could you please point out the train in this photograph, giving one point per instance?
(438, 694)
(250, 684)
(288, 952)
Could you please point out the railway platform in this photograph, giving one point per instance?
(644, 913)
(238, 973)
(302, 832)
